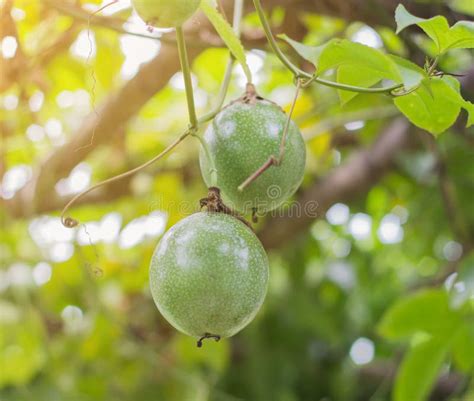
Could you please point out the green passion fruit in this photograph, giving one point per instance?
(209, 275)
(165, 13)
(241, 139)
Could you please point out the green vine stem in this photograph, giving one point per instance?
(275, 160)
(431, 70)
(70, 222)
(188, 84)
(298, 73)
(222, 94)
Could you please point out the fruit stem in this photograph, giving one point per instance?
(188, 84)
(433, 66)
(273, 160)
(299, 73)
(214, 204)
(205, 337)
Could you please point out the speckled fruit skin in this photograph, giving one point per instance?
(209, 274)
(165, 13)
(241, 138)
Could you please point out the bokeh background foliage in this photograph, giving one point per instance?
(371, 300)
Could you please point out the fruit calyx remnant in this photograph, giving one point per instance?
(207, 336)
(250, 96)
(214, 204)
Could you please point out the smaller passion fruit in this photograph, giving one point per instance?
(241, 139)
(165, 13)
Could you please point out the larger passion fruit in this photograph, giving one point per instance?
(209, 275)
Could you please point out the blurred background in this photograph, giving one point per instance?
(83, 99)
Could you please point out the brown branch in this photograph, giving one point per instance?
(343, 184)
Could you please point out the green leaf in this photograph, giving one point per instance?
(436, 28)
(462, 6)
(434, 106)
(357, 76)
(340, 53)
(469, 107)
(227, 34)
(459, 36)
(309, 53)
(463, 347)
(454, 95)
(419, 369)
(426, 311)
(404, 19)
(412, 75)
(20, 350)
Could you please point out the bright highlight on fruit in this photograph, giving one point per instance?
(165, 13)
(209, 275)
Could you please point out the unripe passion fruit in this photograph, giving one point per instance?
(208, 275)
(241, 139)
(165, 13)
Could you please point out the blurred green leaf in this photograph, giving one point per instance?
(463, 347)
(426, 311)
(419, 369)
(462, 6)
(22, 354)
